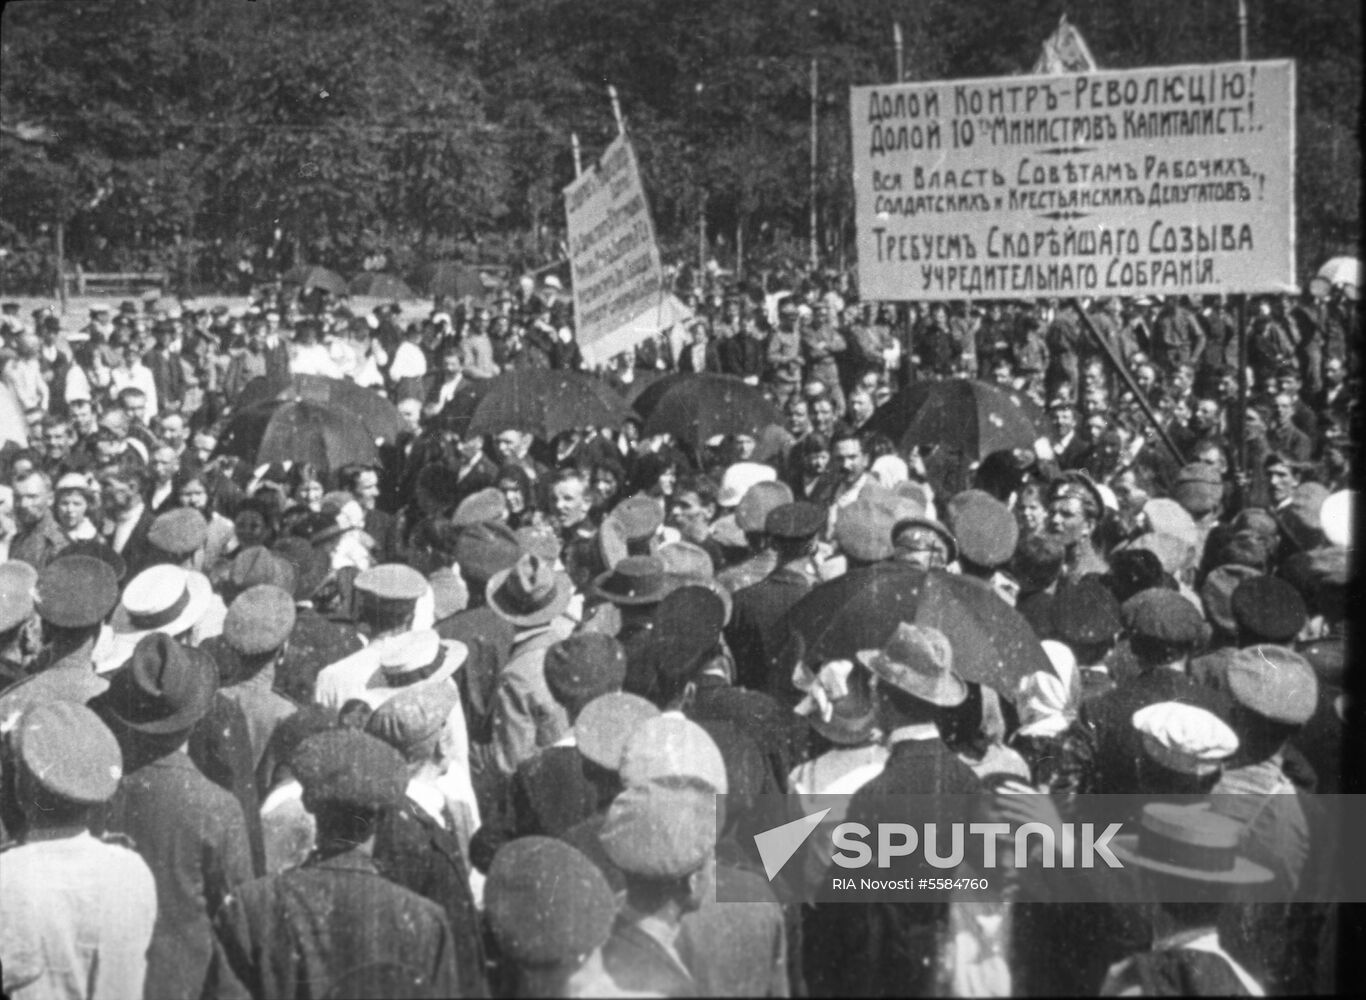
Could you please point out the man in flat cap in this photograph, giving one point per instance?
(333, 927)
(77, 913)
(662, 837)
(254, 641)
(550, 911)
(73, 596)
(416, 845)
(553, 790)
(191, 832)
(752, 634)
(1163, 629)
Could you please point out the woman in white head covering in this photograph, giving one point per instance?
(1049, 737)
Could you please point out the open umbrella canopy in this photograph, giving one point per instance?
(298, 431)
(381, 286)
(449, 277)
(374, 411)
(696, 408)
(1342, 271)
(309, 276)
(992, 642)
(968, 415)
(542, 401)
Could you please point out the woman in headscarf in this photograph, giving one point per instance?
(1049, 737)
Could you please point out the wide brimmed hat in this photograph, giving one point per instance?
(166, 599)
(1190, 842)
(418, 656)
(531, 592)
(919, 661)
(166, 687)
(634, 581)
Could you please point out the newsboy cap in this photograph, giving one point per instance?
(69, 751)
(179, 533)
(76, 592)
(660, 832)
(345, 767)
(985, 529)
(259, 620)
(1274, 682)
(583, 666)
(546, 903)
(1163, 615)
(411, 720)
(1268, 609)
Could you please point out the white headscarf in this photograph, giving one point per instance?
(1048, 701)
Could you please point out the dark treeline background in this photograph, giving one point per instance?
(192, 134)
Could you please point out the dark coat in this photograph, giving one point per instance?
(549, 794)
(489, 639)
(886, 949)
(1109, 719)
(753, 636)
(414, 851)
(638, 963)
(192, 835)
(333, 927)
(314, 644)
(221, 747)
(737, 949)
(138, 553)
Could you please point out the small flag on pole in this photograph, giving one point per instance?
(1065, 51)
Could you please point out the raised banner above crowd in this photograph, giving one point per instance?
(618, 278)
(1137, 182)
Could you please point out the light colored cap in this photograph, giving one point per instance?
(1185, 738)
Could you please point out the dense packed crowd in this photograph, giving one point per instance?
(452, 723)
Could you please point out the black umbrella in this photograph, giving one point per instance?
(992, 642)
(298, 431)
(542, 401)
(696, 408)
(381, 286)
(308, 276)
(448, 277)
(374, 411)
(967, 415)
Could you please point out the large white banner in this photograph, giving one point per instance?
(1134, 182)
(618, 279)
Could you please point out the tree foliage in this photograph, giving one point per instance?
(427, 128)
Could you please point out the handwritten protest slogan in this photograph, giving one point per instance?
(612, 254)
(1138, 182)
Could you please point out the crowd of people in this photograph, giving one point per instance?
(454, 723)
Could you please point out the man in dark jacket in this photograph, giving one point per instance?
(335, 927)
(890, 949)
(191, 832)
(416, 845)
(753, 631)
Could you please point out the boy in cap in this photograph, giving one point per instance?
(550, 911)
(77, 913)
(418, 844)
(332, 926)
(191, 832)
(1185, 748)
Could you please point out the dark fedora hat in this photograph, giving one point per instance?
(531, 592)
(633, 581)
(166, 687)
